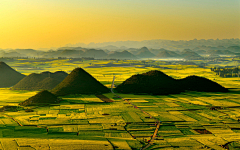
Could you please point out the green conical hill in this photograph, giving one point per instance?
(156, 82)
(167, 54)
(190, 55)
(9, 76)
(152, 82)
(42, 98)
(121, 55)
(48, 83)
(42, 81)
(79, 82)
(145, 53)
(200, 84)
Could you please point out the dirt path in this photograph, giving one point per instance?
(150, 142)
(13, 119)
(153, 137)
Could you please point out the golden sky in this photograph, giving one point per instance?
(55, 23)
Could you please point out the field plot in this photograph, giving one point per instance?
(192, 120)
(9, 97)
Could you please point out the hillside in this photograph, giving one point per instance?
(157, 51)
(235, 49)
(9, 76)
(94, 53)
(144, 53)
(121, 55)
(71, 53)
(190, 55)
(29, 52)
(167, 54)
(220, 52)
(186, 50)
(42, 81)
(42, 98)
(11, 54)
(152, 82)
(200, 84)
(202, 52)
(79, 82)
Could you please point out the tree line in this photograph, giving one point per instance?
(226, 72)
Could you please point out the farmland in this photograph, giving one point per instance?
(190, 120)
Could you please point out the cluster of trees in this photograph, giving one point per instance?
(226, 72)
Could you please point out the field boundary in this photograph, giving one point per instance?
(13, 119)
(104, 98)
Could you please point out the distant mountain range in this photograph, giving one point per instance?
(160, 43)
(125, 53)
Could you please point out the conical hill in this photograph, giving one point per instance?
(42, 98)
(145, 53)
(42, 81)
(152, 82)
(48, 83)
(121, 55)
(167, 54)
(200, 84)
(9, 76)
(79, 82)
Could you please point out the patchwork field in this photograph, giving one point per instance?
(190, 120)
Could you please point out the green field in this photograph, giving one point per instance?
(191, 120)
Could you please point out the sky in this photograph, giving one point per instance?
(55, 23)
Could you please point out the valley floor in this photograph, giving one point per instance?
(190, 120)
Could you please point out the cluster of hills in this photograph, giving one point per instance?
(77, 82)
(81, 82)
(61, 83)
(44, 80)
(157, 83)
(126, 53)
(159, 43)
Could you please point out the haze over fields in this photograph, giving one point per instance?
(150, 49)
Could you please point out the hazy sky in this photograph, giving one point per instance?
(54, 23)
